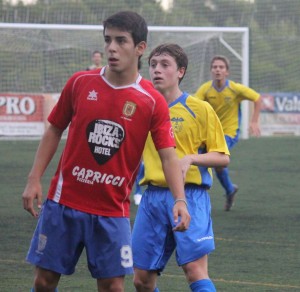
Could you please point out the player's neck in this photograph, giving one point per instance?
(118, 78)
(172, 94)
(219, 83)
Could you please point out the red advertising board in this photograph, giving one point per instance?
(21, 114)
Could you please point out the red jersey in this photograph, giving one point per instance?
(108, 127)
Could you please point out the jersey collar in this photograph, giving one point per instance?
(222, 88)
(137, 81)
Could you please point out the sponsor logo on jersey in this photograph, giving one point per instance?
(92, 95)
(177, 124)
(104, 138)
(90, 176)
(129, 109)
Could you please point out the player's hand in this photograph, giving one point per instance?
(185, 164)
(254, 129)
(180, 210)
(32, 192)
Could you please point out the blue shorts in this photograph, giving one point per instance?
(232, 141)
(62, 233)
(153, 240)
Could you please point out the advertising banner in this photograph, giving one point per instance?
(21, 114)
(280, 114)
(26, 114)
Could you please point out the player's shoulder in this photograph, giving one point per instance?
(203, 89)
(236, 85)
(198, 105)
(201, 110)
(193, 100)
(85, 73)
(82, 75)
(206, 85)
(242, 89)
(147, 85)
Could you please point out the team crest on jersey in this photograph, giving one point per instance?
(92, 95)
(104, 138)
(177, 124)
(129, 109)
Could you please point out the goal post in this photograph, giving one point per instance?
(39, 58)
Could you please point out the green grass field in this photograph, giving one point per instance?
(257, 243)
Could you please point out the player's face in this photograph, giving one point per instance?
(164, 72)
(122, 55)
(97, 59)
(219, 71)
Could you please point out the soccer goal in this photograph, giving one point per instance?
(39, 58)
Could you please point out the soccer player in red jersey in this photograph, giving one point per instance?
(109, 112)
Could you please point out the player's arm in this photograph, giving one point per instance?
(43, 156)
(251, 95)
(175, 181)
(210, 159)
(217, 153)
(254, 123)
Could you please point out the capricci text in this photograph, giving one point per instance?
(89, 176)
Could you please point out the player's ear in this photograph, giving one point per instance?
(181, 72)
(141, 47)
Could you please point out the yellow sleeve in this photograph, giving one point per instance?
(246, 93)
(201, 91)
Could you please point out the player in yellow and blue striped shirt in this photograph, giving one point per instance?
(225, 96)
(200, 144)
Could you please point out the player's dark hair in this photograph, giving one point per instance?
(221, 58)
(128, 21)
(131, 22)
(174, 51)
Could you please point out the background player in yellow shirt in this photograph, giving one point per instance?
(200, 144)
(225, 96)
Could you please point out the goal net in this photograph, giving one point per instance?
(39, 58)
